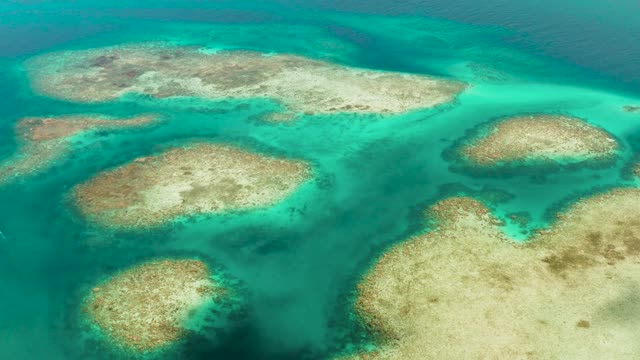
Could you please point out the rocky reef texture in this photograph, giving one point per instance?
(42, 140)
(539, 138)
(144, 308)
(200, 178)
(631, 108)
(300, 84)
(465, 291)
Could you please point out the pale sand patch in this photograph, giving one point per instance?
(301, 84)
(145, 307)
(465, 291)
(43, 140)
(200, 178)
(545, 138)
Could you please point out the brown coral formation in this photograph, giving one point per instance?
(465, 291)
(200, 178)
(631, 108)
(299, 83)
(144, 308)
(544, 138)
(42, 140)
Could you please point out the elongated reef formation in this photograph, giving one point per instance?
(199, 178)
(42, 140)
(540, 138)
(144, 308)
(631, 108)
(300, 84)
(466, 291)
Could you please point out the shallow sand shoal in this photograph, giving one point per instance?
(465, 291)
(546, 138)
(199, 178)
(42, 140)
(144, 308)
(301, 84)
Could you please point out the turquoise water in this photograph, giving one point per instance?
(297, 263)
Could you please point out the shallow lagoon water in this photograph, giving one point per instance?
(298, 262)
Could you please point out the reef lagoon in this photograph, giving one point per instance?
(329, 131)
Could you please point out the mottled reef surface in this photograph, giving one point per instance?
(43, 140)
(144, 307)
(195, 179)
(540, 138)
(301, 84)
(466, 291)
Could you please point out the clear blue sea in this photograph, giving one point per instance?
(298, 263)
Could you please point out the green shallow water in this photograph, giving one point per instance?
(296, 263)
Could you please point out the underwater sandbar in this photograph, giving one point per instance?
(43, 140)
(301, 84)
(540, 138)
(195, 179)
(466, 291)
(143, 308)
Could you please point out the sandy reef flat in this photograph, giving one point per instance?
(143, 308)
(199, 178)
(42, 140)
(300, 84)
(466, 291)
(541, 138)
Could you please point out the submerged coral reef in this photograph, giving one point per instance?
(143, 308)
(300, 84)
(538, 138)
(466, 291)
(42, 140)
(195, 179)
